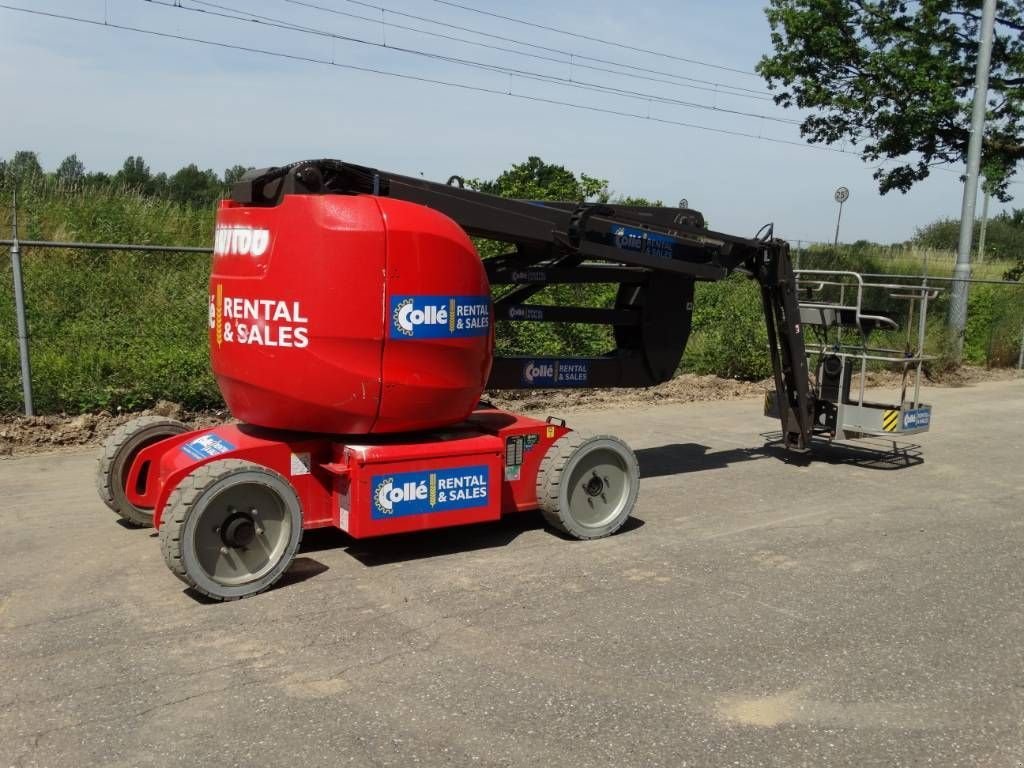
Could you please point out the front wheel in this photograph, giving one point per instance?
(587, 485)
(231, 529)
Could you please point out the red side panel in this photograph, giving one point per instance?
(402, 487)
(299, 461)
(524, 443)
(472, 472)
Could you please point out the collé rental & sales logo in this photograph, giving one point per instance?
(555, 373)
(415, 493)
(258, 322)
(440, 317)
(919, 417)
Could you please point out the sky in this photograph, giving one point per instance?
(106, 93)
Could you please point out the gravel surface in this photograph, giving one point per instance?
(862, 610)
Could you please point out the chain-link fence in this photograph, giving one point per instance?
(108, 325)
(106, 328)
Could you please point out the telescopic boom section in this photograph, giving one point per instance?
(652, 254)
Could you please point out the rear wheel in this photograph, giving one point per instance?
(587, 485)
(231, 529)
(119, 451)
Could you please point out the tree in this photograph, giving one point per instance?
(1004, 238)
(630, 200)
(537, 180)
(897, 79)
(194, 186)
(234, 173)
(97, 179)
(158, 185)
(71, 171)
(23, 168)
(134, 174)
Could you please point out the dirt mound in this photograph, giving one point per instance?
(963, 376)
(688, 388)
(685, 388)
(24, 434)
(20, 434)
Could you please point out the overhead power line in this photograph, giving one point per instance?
(237, 14)
(574, 60)
(414, 78)
(581, 36)
(574, 56)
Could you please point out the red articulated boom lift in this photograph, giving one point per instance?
(352, 334)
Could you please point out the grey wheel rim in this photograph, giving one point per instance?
(239, 533)
(599, 487)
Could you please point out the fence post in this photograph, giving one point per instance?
(19, 309)
(1020, 357)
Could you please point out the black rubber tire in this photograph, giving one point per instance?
(185, 509)
(554, 475)
(118, 453)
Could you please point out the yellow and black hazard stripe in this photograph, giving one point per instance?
(890, 420)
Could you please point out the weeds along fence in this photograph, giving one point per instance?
(904, 255)
(121, 326)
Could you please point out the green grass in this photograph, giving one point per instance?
(124, 330)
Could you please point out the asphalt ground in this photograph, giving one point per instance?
(862, 610)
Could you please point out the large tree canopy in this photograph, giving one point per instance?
(896, 78)
(537, 180)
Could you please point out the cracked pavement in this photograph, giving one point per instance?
(861, 610)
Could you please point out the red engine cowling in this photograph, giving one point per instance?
(347, 314)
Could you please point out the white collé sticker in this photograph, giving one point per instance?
(300, 464)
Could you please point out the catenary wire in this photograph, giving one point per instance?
(224, 11)
(573, 61)
(419, 78)
(575, 56)
(602, 41)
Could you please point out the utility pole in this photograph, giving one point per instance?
(842, 195)
(962, 273)
(984, 222)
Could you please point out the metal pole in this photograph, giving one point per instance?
(958, 297)
(1020, 357)
(835, 243)
(19, 310)
(984, 223)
